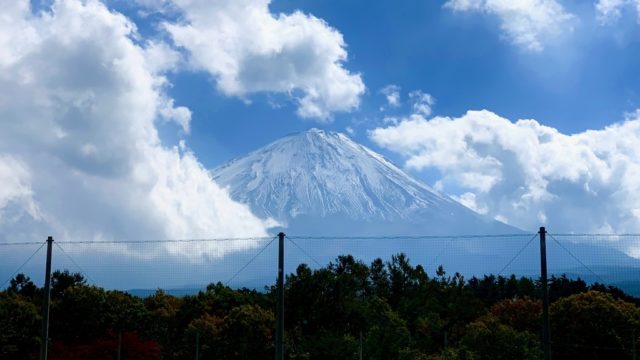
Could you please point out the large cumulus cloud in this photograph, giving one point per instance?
(526, 173)
(249, 49)
(80, 157)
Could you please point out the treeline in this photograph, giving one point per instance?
(387, 310)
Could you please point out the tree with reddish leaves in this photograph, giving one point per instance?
(132, 347)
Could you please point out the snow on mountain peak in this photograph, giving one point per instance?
(319, 174)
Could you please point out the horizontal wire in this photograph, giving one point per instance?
(406, 237)
(597, 235)
(161, 241)
(311, 237)
(21, 243)
(296, 237)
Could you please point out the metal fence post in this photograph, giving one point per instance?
(280, 300)
(46, 298)
(546, 333)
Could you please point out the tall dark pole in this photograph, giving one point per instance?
(634, 353)
(360, 351)
(280, 304)
(119, 356)
(198, 345)
(546, 336)
(46, 296)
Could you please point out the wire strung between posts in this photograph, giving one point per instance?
(405, 237)
(518, 254)
(160, 241)
(20, 243)
(309, 237)
(598, 235)
(250, 261)
(576, 258)
(304, 252)
(23, 264)
(75, 263)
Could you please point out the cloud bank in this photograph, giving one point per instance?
(526, 173)
(526, 23)
(80, 157)
(249, 49)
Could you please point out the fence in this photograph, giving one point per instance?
(156, 264)
(185, 267)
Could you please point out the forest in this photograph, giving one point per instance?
(347, 309)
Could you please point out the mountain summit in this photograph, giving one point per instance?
(324, 183)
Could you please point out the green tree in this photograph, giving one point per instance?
(387, 335)
(19, 325)
(161, 325)
(22, 284)
(488, 338)
(379, 277)
(204, 332)
(63, 280)
(521, 314)
(325, 344)
(245, 333)
(85, 313)
(331, 298)
(593, 325)
(248, 332)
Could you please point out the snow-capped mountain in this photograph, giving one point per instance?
(352, 200)
(323, 182)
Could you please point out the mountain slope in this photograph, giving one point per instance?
(329, 193)
(324, 183)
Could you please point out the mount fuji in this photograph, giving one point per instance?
(323, 183)
(335, 197)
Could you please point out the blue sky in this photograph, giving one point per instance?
(585, 80)
(129, 103)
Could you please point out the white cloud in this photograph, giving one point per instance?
(526, 173)
(249, 49)
(526, 23)
(392, 95)
(468, 199)
(422, 102)
(15, 192)
(611, 10)
(80, 156)
(181, 115)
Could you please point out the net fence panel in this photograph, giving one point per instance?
(469, 255)
(26, 258)
(186, 266)
(602, 258)
(182, 267)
